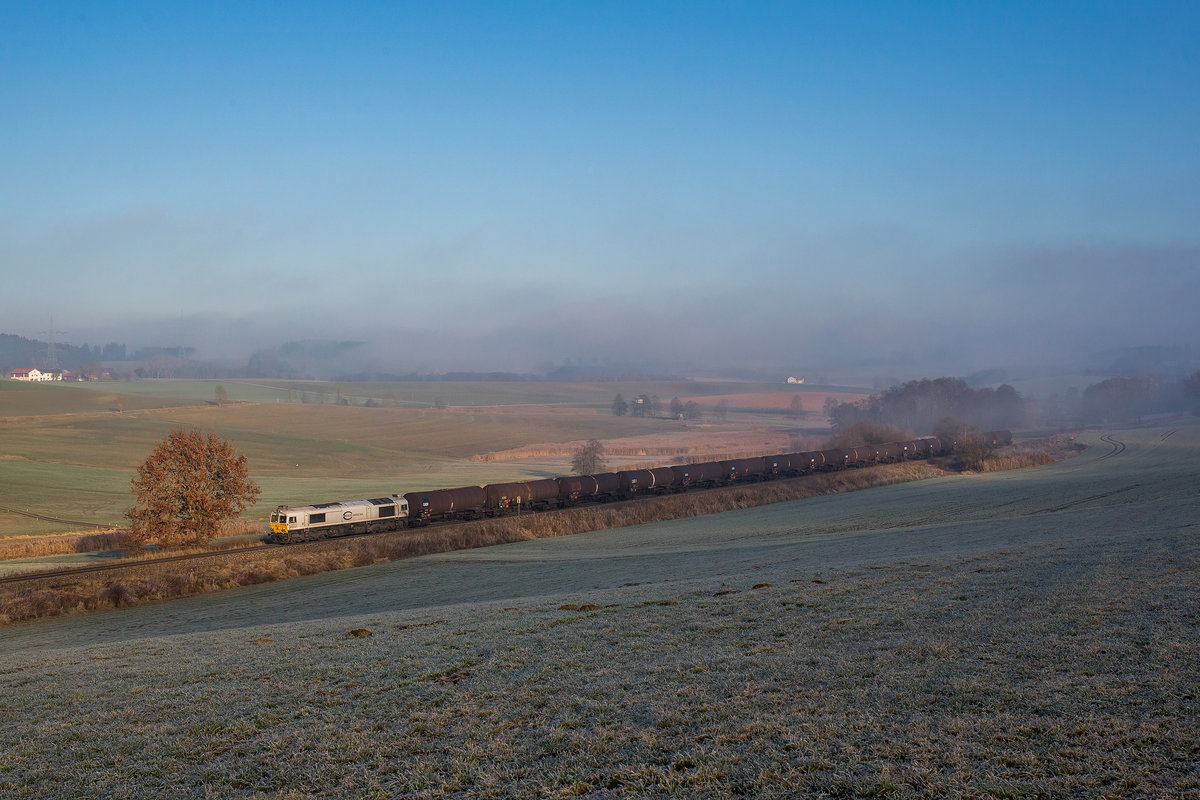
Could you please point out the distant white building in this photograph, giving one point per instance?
(34, 375)
(795, 380)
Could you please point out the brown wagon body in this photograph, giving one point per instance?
(742, 468)
(704, 473)
(462, 501)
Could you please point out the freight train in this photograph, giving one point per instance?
(306, 523)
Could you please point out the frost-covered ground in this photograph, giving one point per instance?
(1017, 634)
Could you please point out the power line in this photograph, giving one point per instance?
(51, 354)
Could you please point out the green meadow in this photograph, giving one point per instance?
(68, 450)
(427, 393)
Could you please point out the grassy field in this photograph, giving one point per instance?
(64, 454)
(1021, 634)
(424, 394)
(20, 399)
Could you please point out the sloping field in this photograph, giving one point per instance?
(810, 401)
(451, 432)
(678, 445)
(425, 393)
(60, 465)
(336, 440)
(78, 467)
(63, 454)
(1021, 634)
(20, 399)
(97, 495)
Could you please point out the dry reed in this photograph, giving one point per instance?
(58, 544)
(18, 547)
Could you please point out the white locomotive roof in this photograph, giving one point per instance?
(380, 501)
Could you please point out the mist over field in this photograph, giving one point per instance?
(1015, 307)
(684, 189)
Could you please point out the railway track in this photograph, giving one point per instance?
(57, 520)
(124, 565)
(334, 542)
(120, 566)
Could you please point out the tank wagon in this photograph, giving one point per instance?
(639, 481)
(529, 495)
(889, 453)
(440, 503)
(573, 488)
(303, 523)
(706, 473)
(746, 469)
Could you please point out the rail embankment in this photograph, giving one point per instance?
(146, 581)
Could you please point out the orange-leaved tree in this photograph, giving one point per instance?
(188, 486)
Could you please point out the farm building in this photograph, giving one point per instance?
(35, 375)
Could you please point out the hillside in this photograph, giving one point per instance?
(1010, 634)
(68, 450)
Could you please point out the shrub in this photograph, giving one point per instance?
(867, 431)
(972, 449)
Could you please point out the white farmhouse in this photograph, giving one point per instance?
(34, 375)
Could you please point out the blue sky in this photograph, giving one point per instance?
(475, 185)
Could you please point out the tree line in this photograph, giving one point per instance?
(1123, 399)
(918, 406)
(647, 405)
(1118, 399)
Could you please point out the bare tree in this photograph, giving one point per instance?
(796, 409)
(589, 458)
(973, 449)
(221, 395)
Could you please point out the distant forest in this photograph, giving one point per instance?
(918, 407)
(925, 406)
(17, 352)
(302, 360)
